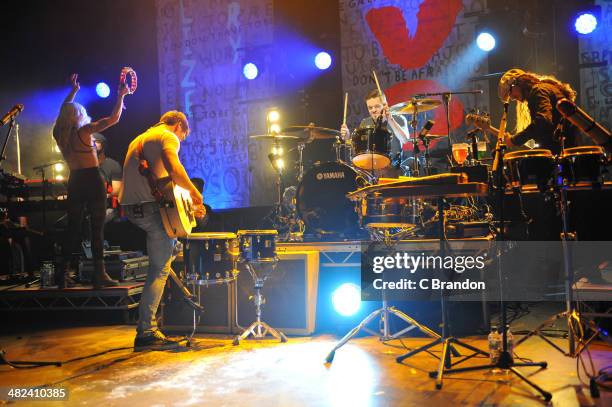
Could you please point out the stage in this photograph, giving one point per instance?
(100, 368)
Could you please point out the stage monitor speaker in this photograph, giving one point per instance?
(219, 314)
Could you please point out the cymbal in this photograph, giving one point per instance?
(313, 132)
(422, 105)
(277, 137)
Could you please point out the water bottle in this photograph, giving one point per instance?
(47, 274)
(494, 345)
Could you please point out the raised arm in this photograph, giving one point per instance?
(75, 88)
(400, 132)
(106, 122)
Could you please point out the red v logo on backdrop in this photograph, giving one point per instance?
(411, 44)
(410, 50)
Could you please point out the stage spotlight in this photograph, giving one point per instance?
(585, 23)
(323, 60)
(273, 116)
(346, 299)
(102, 90)
(485, 41)
(250, 71)
(275, 128)
(59, 167)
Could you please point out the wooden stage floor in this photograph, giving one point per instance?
(267, 373)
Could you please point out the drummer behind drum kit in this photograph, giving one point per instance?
(318, 203)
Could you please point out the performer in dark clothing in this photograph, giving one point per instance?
(537, 116)
(112, 174)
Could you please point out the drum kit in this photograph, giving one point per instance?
(213, 258)
(317, 202)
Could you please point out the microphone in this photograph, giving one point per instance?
(584, 122)
(472, 133)
(426, 128)
(11, 114)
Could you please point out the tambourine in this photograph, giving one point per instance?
(133, 80)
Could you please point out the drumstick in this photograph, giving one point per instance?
(380, 94)
(345, 104)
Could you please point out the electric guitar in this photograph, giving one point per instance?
(484, 122)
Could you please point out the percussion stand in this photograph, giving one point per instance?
(447, 342)
(571, 314)
(259, 329)
(505, 360)
(384, 313)
(415, 139)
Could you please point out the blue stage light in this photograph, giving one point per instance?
(585, 23)
(250, 71)
(323, 60)
(485, 41)
(102, 90)
(347, 299)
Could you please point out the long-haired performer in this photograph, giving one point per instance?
(73, 133)
(537, 116)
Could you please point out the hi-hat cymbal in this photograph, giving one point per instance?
(277, 137)
(313, 132)
(421, 105)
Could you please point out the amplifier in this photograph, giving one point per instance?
(290, 293)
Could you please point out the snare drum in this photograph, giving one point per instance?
(529, 169)
(371, 148)
(257, 246)
(582, 164)
(379, 212)
(212, 257)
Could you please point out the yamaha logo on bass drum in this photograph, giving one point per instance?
(330, 175)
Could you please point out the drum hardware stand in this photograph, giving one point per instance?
(384, 313)
(259, 329)
(506, 360)
(275, 215)
(571, 314)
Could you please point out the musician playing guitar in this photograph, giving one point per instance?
(157, 149)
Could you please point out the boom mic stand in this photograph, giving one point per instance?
(505, 360)
(446, 98)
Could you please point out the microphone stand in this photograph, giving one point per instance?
(505, 360)
(415, 141)
(446, 98)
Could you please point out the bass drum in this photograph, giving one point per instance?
(321, 199)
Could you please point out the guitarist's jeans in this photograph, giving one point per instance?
(159, 249)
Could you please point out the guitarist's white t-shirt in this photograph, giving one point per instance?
(135, 186)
